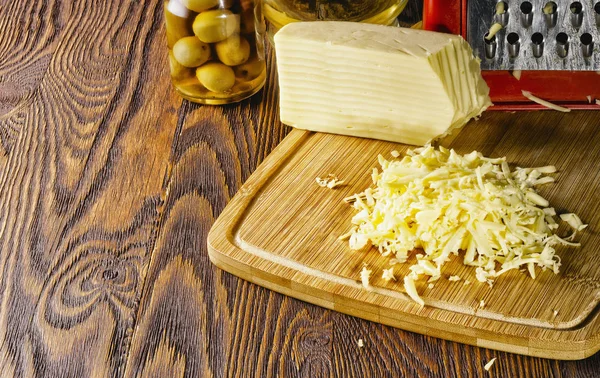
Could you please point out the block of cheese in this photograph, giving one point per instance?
(382, 82)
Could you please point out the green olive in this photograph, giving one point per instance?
(178, 71)
(250, 70)
(215, 25)
(216, 77)
(200, 5)
(191, 87)
(177, 27)
(233, 51)
(191, 52)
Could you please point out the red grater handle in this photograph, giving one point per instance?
(444, 16)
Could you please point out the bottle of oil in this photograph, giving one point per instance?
(281, 12)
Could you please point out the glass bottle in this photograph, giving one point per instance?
(216, 49)
(281, 12)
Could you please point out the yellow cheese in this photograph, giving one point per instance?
(381, 82)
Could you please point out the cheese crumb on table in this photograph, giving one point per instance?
(360, 343)
(488, 366)
(482, 303)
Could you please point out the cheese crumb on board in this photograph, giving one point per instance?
(388, 274)
(365, 274)
(545, 103)
(555, 313)
(488, 366)
(454, 278)
(411, 290)
(395, 153)
(573, 221)
(440, 203)
(517, 74)
(382, 82)
(331, 181)
(481, 303)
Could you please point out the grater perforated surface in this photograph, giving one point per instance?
(526, 54)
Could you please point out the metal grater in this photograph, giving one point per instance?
(550, 49)
(566, 36)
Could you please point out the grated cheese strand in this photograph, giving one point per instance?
(440, 203)
(545, 103)
(500, 8)
(411, 290)
(494, 29)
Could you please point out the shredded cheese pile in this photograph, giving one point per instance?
(442, 202)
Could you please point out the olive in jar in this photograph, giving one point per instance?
(191, 52)
(249, 70)
(179, 71)
(216, 77)
(233, 51)
(178, 25)
(200, 5)
(215, 25)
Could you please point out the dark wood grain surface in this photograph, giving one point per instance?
(109, 183)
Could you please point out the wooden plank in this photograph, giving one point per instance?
(193, 319)
(81, 190)
(30, 34)
(284, 225)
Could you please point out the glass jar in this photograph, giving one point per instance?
(281, 12)
(216, 49)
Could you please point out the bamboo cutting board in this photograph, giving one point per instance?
(281, 232)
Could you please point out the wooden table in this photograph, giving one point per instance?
(109, 183)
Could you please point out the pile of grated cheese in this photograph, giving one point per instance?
(442, 202)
